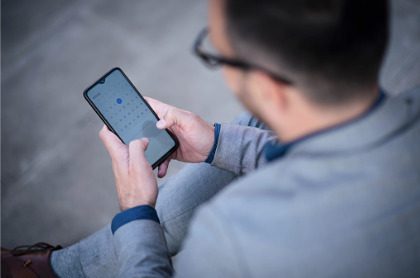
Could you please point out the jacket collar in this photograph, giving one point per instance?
(385, 116)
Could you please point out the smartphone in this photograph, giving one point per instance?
(127, 114)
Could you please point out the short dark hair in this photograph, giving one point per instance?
(333, 49)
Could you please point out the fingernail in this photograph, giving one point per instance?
(160, 124)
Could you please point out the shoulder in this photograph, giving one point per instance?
(411, 96)
(319, 187)
(412, 92)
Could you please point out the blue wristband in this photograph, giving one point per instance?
(210, 158)
(132, 214)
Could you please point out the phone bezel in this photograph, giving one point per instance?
(102, 117)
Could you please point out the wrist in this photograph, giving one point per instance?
(128, 204)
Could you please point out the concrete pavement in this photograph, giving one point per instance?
(57, 184)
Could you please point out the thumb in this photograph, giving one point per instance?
(162, 124)
(169, 119)
(136, 150)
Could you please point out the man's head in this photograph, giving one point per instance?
(331, 50)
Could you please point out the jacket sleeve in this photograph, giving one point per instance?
(240, 148)
(208, 250)
(141, 250)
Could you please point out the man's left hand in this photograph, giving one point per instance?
(134, 179)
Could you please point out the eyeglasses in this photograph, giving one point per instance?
(214, 61)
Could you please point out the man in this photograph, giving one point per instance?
(336, 194)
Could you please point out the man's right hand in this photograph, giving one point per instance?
(195, 136)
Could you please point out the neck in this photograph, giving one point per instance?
(316, 118)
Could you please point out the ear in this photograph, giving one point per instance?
(273, 93)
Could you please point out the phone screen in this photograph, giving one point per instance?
(127, 114)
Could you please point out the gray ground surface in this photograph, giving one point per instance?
(57, 184)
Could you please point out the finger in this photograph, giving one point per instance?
(112, 143)
(137, 157)
(163, 168)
